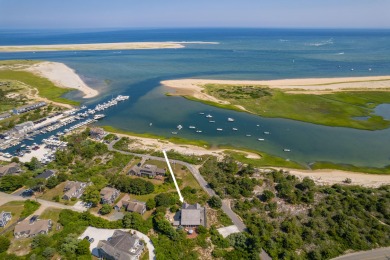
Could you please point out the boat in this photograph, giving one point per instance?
(257, 125)
(98, 116)
(219, 129)
(83, 107)
(230, 119)
(201, 113)
(234, 129)
(209, 116)
(211, 121)
(248, 135)
(150, 124)
(286, 150)
(179, 127)
(266, 133)
(23, 145)
(191, 127)
(199, 131)
(260, 139)
(174, 133)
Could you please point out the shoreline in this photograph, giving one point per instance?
(194, 87)
(99, 46)
(62, 76)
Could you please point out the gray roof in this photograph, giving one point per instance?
(9, 169)
(121, 246)
(32, 229)
(24, 125)
(46, 174)
(136, 206)
(191, 215)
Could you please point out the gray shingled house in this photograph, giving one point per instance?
(190, 216)
(147, 170)
(11, 168)
(131, 205)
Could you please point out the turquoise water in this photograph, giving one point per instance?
(241, 54)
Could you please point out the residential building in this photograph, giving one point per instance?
(12, 168)
(108, 195)
(74, 189)
(46, 174)
(190, 216)
(5, 217)
(4, 116)
(26, 228)
(97, 133)
(24, 128)
(26, 108)
(121, 246)
(147, 170)
(131, 205)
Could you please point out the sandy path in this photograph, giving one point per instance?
(194, 87)
(62, 76)
(330, 177)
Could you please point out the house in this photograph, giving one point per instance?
(11, 168)
(26, 108)
(108, 195)
(74, 189)
(190, 216)
(147, 170)
(4, 116)
(121, 246)
(46, 174)
(5, 217)
(97, 133)
(26, 228)
(131, 205)
(24, 128)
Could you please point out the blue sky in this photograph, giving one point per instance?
(26, 14)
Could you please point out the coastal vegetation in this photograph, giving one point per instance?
(333, 109)
(350, 168)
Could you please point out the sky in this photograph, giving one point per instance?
(74, 14)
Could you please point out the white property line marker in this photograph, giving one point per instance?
(173, 177)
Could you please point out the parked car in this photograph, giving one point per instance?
(91, 240)
(86, 238)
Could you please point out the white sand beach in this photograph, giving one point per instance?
(95, 46)
(194, 87)
(62, 76)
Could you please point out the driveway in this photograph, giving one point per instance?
(103, 234)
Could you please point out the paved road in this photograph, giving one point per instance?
(203, 183)
(376, 254)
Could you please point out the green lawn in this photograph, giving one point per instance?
(336, 109)
(351, 168)
(54, 215)
(58, 190)
(45, 87)
(16, 208)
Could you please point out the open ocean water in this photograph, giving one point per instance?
(241, 54)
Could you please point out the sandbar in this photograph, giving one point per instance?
(95, 46)
(62, 76)
(194, 87)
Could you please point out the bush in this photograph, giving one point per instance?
(150, 204)
(215, 202)
(106, 209)
(4, 244)
(30, 207)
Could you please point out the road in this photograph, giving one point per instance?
(376, 254)
(202, 182)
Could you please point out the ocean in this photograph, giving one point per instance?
(241, 54)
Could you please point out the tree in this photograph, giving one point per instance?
(83, 247)
(15, 160)
(62, 177)
(91, 195)
(41, 241)
(49, 252)
(215, 202)
(267, 196)
(4, 244)
(52, 182)
(106, 209)
(34, 164)
(165, 199)
(150, 204)
(9, 183)
(69, 245)
(132, 220)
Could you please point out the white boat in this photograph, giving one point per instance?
(257, 125)
(266, 133)
(174, 133)
(234, 129)
(191, 127)
(150, 124)
(260, 139)
(83, 107)
(199, 131)
(248, 135)
(230, 119)
(23, 145)
(179, 127)
(98, 116)
(219, 129)
(211, 121)
(209, 116)
(286, 150)
(201, 113)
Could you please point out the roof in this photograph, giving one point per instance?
(34, 228)
(121, 203)
(5, 115)
(136, 206)
(192, 215)
(24, 125)
(38, 104)
(107, 192)
(97, 130)
(9, 168)
(46, 174)
(122, 245)
(73, 186)
(3, 214)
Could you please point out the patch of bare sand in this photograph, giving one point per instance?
(62, 76)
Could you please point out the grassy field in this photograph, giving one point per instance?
(54, 215)
(351, 168)
(16, 208)
(45, 87)
(336, 109)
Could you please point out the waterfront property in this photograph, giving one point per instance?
(97, 133)
(46, 174)
(5, 217)
(147, 170)
(28, 228)
(12, 168)
(24, 128)
(190, 216)
(26, 108)
(108, 195)
(131, 205)
(74, 189)
(121, 246)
